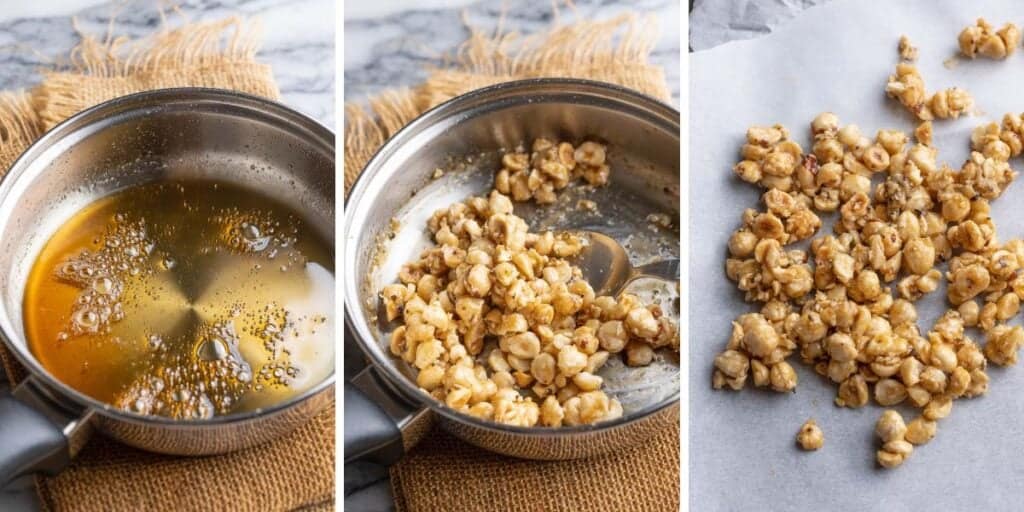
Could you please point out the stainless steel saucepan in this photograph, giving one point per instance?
(385, 413)
(167, 134)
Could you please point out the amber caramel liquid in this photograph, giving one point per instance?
(184, 299)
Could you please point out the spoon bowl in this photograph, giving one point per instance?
(605, 265)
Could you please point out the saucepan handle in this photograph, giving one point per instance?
(374, 419)
(32, 437)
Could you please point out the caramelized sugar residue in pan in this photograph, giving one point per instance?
(184, 299)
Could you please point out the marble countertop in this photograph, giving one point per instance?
(298, 42)
(391, 44)
(297, 38)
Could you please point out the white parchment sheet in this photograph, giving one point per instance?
(713, 22)
(837, 57)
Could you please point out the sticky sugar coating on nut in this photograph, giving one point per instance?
(810, 437)
(787, 219)
(840, 164)
(550, 167)
(487, 277)
(950, 103)
(923, 133)
(908, 51)
(892, 431)
(907, 86)
(758, 349)
(1000, 142)
(770, 158)
(769, 272)
(982, 39)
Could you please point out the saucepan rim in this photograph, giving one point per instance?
(154, 99)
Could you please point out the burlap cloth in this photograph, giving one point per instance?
(295, 472)
(442, 472)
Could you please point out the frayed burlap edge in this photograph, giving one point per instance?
(212, 54)
(614, 50)
(20, 125)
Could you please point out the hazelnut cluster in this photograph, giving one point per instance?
(846, 305)
(758, 348)
(787, 219)
(501, 326)
(548, 168)
(907, 86)
(892, 431)
(982, 39)
(770, 158)
(899, 438)
(1000, 142)
(764, 270)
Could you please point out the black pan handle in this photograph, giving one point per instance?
(374, 418)
(32, 433)
(370, 434)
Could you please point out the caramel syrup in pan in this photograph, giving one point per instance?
(184, 299)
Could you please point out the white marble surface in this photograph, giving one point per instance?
(298, 41)
(389, 44)
(297, 35)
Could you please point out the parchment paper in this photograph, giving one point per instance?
(713, 22)
(742, 451)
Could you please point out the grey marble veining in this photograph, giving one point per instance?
(395, 48)
(297, 39)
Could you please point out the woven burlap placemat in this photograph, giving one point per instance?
(294, 472)
(442, 472)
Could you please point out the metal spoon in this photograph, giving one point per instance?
(605, 265)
